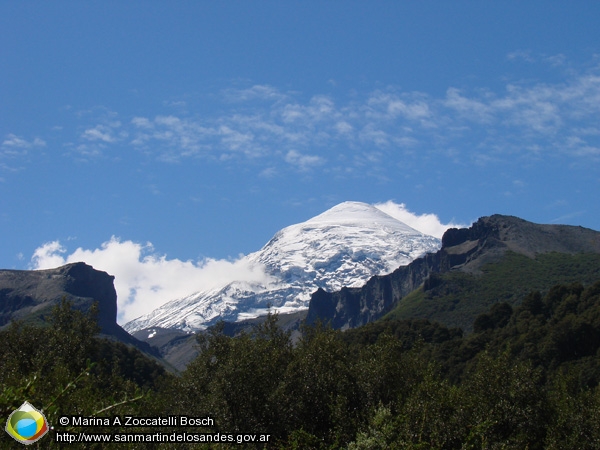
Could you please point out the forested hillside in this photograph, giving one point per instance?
(456, 298)
(527, 377)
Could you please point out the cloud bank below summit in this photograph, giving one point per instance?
(146, 279)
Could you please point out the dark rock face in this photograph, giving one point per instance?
(84, 281)
(353, 307)
(465, 249)
(31, 294)
(34, 292)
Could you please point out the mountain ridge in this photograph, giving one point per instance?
(464, 250)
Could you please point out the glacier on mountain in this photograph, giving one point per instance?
(344, 246)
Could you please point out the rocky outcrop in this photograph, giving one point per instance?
(30, 295)
(465, 249)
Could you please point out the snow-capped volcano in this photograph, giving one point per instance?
(344, 246)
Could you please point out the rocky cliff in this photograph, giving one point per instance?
(465, 250)
(30, 295)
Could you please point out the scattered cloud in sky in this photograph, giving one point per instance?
(145, 279)
(303, 162)
(15, 142)
(258, 91)
(104, 133)
(15, 148)
(521, 55)
(280, 128)
(48, 256)
(566, 217)
(528, 56)
(263, 121)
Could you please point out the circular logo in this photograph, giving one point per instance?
(26, 424)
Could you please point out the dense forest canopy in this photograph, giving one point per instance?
(526, 377)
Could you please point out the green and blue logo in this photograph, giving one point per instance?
(26, 424)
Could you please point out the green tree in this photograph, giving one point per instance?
(319, 393)
(575, 415)
(234, 379)
(52, 367)
(506, 404)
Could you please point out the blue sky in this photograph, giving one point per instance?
(204, 127)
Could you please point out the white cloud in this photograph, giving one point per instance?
(523, 55)
(144, 279)
(370, 133)
(86, 151)
(99, 133)
(320, 111)
(268, 172)
(556, 60)
(413, 106)
(15, 141)
(15, 145)
(235, 140)
(344, 128)
(425, 223)
(142, 122)
(303, 162)
(258, 91)
(48, 256)
(177, 137)
(469, 108)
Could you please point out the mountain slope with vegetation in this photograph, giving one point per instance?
(526, 377)
(455, 298)
(499, 258)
